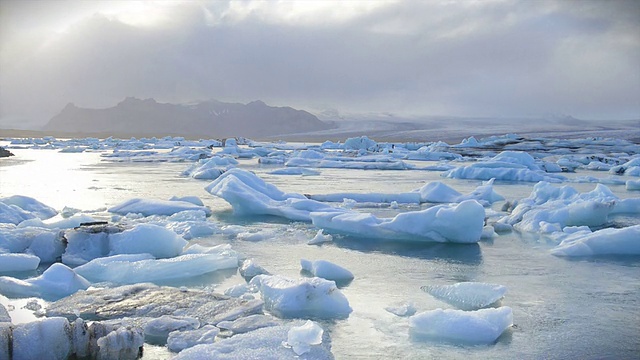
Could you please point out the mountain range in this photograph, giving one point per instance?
(210, 118)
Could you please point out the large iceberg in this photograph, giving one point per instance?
(461, 223)
(30, 205)
(313, 297)
(463, 327)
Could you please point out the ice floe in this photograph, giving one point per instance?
(56, 282)
(311, 297)
(625, 241)
(461, 223)
(326, 270)
(462, 327)
(148, 207)
(467, 295)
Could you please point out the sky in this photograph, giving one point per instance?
(489, 58)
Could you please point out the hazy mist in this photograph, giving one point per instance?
(410, 58)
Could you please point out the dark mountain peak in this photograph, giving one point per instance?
(206, 118)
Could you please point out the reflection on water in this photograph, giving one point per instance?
(460, 253)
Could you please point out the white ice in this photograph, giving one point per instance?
(249, 323)
(310, 297)
(264, 343)
(301, 338)
(402, 308)
(461, 327)
(157, 330)
(506, 166)
(320, 238)
(632, 185)
(461, 223)
(84, 245)
(467, 295)
(18, 262)
(625, 241)
(211, 168)
(148, 207)
(326, 270)
(135, 268)
(30, 205)
(550, 208)
(250, 195)
(41, 242)
(56, 282)
(250, 268)
(183, 339)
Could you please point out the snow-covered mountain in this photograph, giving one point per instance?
(208, 119)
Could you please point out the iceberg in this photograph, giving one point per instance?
(550, 208)
(156, 331)
(312, 297)
(250, 195)
(148, 207)
(18, 262)
(301, 338)
(249, 323)
(464, 327)
(183, 339)
(138, 268)
(506, 166)
(264, 343)
(56, 282)
(326, 270)
(30, 205)
(625, 241)
(467, 295)
(461, 223)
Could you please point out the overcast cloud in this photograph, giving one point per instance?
(411, 58)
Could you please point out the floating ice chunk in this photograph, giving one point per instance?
(300, 338)
(237, 290)
(320, 238)
(192, 199)
(147, 238)
(56, 282)
(18, 262)
(157, 330)
(461, 223)
(625, 241)
(457, 326)
(123, 343)
(256, 235)
(43, 339)
(58, 223)
(360, 143)
(250, 195)
(249, 323)
(135, 268)
(326, 270)
(148, 207)
(632, 185)
(86, 243)
(249, 268)
(467, 295)
(30, 205)
(264, 343)
(507, 166)
(438, 192)
(295, 171)
(11, 214)
(313, 297)
(180, 340)
(402, 309)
